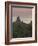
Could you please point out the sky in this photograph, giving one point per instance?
(25, 14)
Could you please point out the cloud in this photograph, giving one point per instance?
(25, 14)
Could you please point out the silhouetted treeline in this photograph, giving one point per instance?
(21, 29)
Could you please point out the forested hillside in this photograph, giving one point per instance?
(21, 29)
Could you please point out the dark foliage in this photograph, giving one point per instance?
(21, 29)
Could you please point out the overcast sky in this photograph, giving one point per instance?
(25, 14)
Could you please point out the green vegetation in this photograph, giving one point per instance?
(21, 29)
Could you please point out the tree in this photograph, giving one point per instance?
(21, 29)
(18, 19)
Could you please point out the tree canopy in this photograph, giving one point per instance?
(21, 29)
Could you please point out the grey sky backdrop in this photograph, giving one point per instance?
(25, 14)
